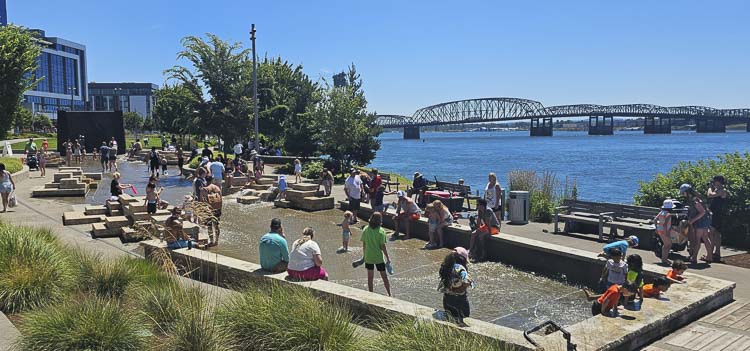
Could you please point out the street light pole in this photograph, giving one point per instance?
(255, 86)
(72, 92)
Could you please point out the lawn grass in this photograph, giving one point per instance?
(38, 141)
(12, 164)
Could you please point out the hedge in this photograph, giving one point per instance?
(734, 167)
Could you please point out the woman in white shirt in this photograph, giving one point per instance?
(305, 261)
(493, 195)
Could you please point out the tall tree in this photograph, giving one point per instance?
(349, 131)
(18, 59)
(222, 72)
(175, 109)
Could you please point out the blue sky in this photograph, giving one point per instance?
(413, 54)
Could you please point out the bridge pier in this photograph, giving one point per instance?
(657, 125)
(710, 125)
(601, 125)
(748, 126)
(411, 133)
(541, 129)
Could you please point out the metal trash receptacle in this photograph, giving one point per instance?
(519, 207)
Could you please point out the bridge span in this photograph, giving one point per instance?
(658, 119)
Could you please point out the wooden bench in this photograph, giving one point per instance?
(387, 181)
(461, 190)
(628, 218)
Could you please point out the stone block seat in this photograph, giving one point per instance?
(78, 217)
(248, 199)
(100, 230)
(305, 196)
(92, 210)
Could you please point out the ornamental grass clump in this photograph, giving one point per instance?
(287, 319)
(35, 270)
(408, 334)
(112, 278)
(190, 323)
(89, 324)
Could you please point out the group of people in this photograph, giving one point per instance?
(34, 156)
(108, 155)
(622, 279)
(702, 224)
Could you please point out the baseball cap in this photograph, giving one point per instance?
(400, 193)
(634, 239)
(684, 188)
(275, 223)
(462, 251)
(668, 204)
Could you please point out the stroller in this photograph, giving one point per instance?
(32, 162)
(678, 232)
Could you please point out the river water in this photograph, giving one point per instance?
(606, 168)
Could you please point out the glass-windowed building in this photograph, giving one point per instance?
(125, 97)
(61, 70)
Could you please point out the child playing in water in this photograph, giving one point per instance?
(282, 187)
(675, 274)
(635, 274)
(163, 162)
(615, 270)
(622, 245)
(345, 232)
(654, 290)
(433, 217)
(606, 304)
(152, 198)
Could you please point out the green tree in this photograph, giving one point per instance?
(42, 122)
(224, 72)
(133, 121)
(23, 119)
(349, 133)
(174, 109)
(18, 59)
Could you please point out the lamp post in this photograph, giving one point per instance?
(72, 91)
(255, 86)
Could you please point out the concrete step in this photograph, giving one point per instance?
(113, 205)
(239, 181)
(305, 187)
(283, 203)
(143, 216)
(247, 200)
(160, 220)
(313, 203)
(44, 192)
(71, 183)
(100, 230)
(265, 181)
(52, 185)
(91, 210)
(116, 222)
(298, 195)
(266, 195)
(191, 229)
(77, 217)
(260, 187)
(94, 176)
(131, 208)
(116, 213)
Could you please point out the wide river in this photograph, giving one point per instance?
(606, 168)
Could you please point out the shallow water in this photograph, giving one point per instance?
(503, 295)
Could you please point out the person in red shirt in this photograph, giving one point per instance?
(375, 183)
(654, 290)
(606, 304)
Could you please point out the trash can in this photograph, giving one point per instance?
(519, 208)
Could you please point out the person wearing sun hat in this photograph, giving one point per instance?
(407, 211)
(454, 283)
(663, 226)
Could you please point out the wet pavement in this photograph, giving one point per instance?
(503, 295)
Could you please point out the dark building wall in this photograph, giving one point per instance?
(95, 126)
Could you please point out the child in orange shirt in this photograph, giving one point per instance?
(675, 274)
(606, 304)
(655, 289)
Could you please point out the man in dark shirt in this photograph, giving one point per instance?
(207, 152)
(104, 154)
(418, 187)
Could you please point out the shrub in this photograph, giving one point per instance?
(34, 268)
(545, 191)
(734, 167)
(311, 170)
(12, 165)
(416, 334)
(287, 319)
(91, 324)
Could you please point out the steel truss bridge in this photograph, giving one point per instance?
(512, 109)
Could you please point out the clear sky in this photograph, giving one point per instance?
(412, 54)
